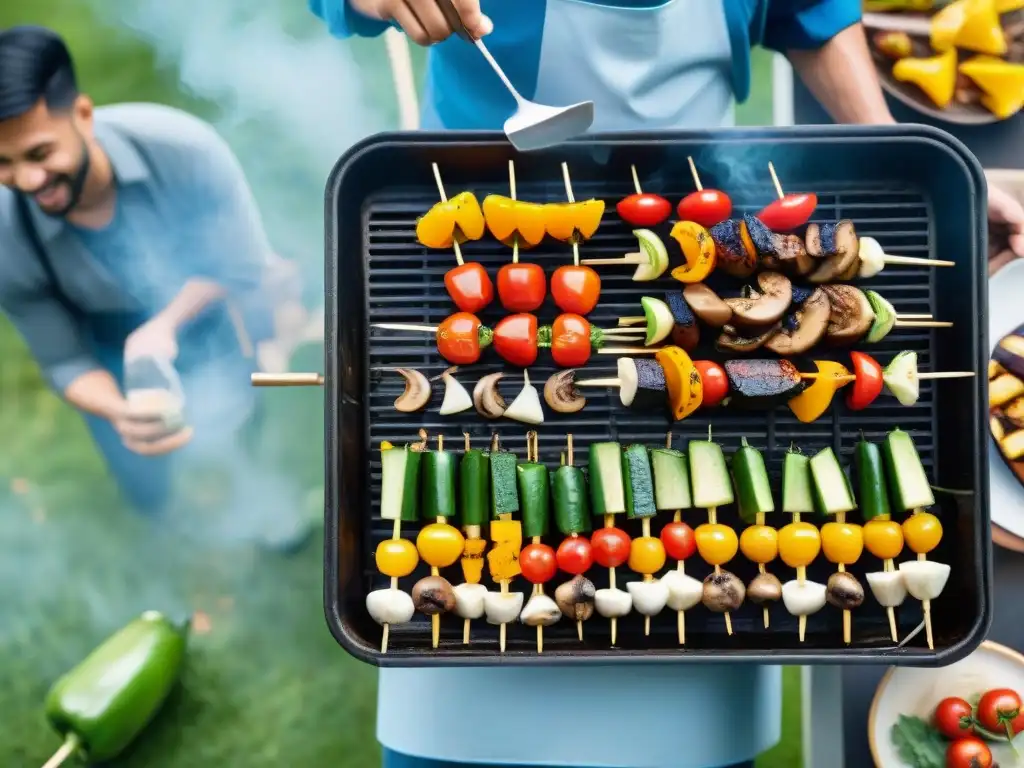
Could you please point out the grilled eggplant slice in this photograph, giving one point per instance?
(762, 384)
(1010, 353)
(734, 248)
(737, 340)
(685, 332)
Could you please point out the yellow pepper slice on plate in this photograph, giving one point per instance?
(1001, 81)
(935, 75)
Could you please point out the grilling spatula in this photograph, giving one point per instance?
(532, 126)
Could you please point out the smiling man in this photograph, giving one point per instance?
(129, 234)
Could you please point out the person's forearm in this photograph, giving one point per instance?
(366, 7)
(843, 79)
(95, 392)
(195, 296)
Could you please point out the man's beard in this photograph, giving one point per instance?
(75, 183)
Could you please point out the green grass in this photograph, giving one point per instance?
(266, 685)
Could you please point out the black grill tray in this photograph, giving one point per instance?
(916, 189)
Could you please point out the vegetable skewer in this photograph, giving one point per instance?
(646, 552)
(758, 542)
(789, 211)
(643, 209)
(575, 554)
(799, 542)
(537, 559)
(507, 536)
(672, 492)
(474, 494)
(611, 545)
(706, 207)
(651, 260)
(521, 287)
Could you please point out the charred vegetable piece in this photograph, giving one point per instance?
(641, 384)
(607, 492)
(837, 245)
(908, 482)
(851, 315)
(753, 490)
(572, 510)
(810, 323)
(534, 492)
(737, 340)
(706, 304)
(766, 307)
(685, 332)
(474, 486)
(698, 249)
(762, 383)
(810, 404)
(504, 488)
(682, 380)
(639, 482)
(802, 293)
(734, 249)
(671, 479)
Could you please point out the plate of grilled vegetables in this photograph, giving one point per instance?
(1006, 398)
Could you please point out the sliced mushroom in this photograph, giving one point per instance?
(765, 588)
(833, 268)
(433, 595)
(560, 392)
(707, 305)
(791, 254)
(811, 320)
(844, 591)
(576, 598)
(838, 244)
(487, 399)
(723, 592)
(417, 391)
(733, 340)
(851, 314)
(852, 271)
(764, 308)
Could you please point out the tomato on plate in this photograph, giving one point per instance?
(954, 718)
(679, 540)
(971, 752)
(460, 338)
(576, 289)
(644, 209)
(716, 383)
(515, 339)
(570, 341)
(706, 207)
(999, 711)
(470, 287)
(611, 547)
(521, 287)
(575, 555)
(537, 561)
(868, 385)
(789, 212)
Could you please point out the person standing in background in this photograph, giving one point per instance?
(131, 242)
(646, 64)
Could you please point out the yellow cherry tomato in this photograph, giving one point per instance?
(396, 557)
(440, 544)
(799, 544)
(842, 542)
(883, 538)
(646, 555)
(759, 543)
(922, 532)
(716, 543)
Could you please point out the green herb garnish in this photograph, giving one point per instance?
(918, 743)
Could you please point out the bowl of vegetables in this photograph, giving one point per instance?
(966, 715)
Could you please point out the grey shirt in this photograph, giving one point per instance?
(184, 210)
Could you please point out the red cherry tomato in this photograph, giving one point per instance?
(789, 212)
(954, 718)
(575, 555)
(971, 752)
(999, 711)
(679, 540)
(469, 286)
(644, 210)
(716, 383)
(611, 547)
(868, 385)
(537, 562)
(515, 339)
(570, 341)
(521, 287)
(459, 338)
(575, 289)
(707, 207)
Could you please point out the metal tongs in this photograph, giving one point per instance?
(532, 126)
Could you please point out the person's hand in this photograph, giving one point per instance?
(424, 21)
(1006, 219)
(143, 430)
(155, 338)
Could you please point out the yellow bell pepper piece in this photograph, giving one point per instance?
(981, 31)
(1008, 6)
(1001, 82)
(573, 222)
(946, 24)
(503, 559)
(698, 249)
(810, 404)
(459, 218)
(682, 380)
(473, 560)
(935, 75)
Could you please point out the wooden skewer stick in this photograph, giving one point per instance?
(841, 518)
(890, 566)
(636, 180)
(609, 522)
(472, 532)
(926, 605)
(569, 456)
(568, 194)
(677, 517)
(946, 375)
(801, 578)
(444, 199)
(67, 749)
(512, 193)
(713, 520)
(533, 454)
(816, 376)
(775, 180)
(435, 620)
(893, 259)
(645, 531)
(923, 324)
(628, 350)
(286, 379)
(759, 519)
(609, 382)
(696, 176)
(629, 258)
(637, 319)
(405, 327)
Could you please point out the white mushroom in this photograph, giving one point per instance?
(925, 579)
(502, 608)
(612, 603)
(803, 598)
(540, 611)
(417, 391)
(888, 588)
(390, 606)
(469, 600)
(526, 407)
(456, 398)
(486, 398)
(649, 597)
(872, 257)
(684, 592)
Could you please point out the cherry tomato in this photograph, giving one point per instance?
(611, 547)
(716, 383)
(868, 385)
(538, 563)
(971, 752)
(460, 338)
(999, 711)
(521, 287)
(575, 289)
(790, 212)
(679, 540)
(570, 341)
(575, 555)
(515, 339)
(954, 718)
(644, 210)
(470, 287)
(706, 207)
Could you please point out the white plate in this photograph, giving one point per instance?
(913, 691)
(1005, 312)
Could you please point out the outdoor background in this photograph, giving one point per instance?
(265, 683)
